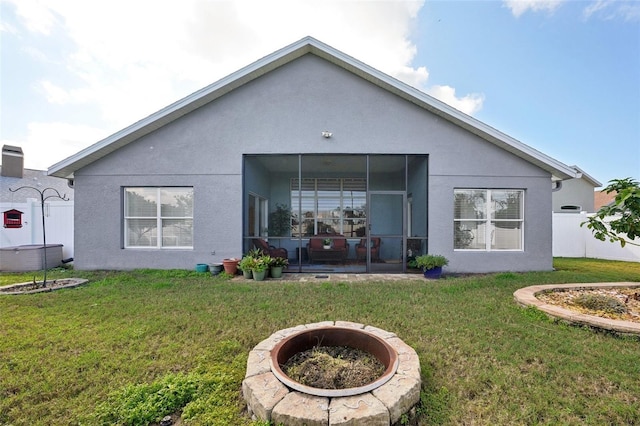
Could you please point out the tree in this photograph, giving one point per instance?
(625, 211)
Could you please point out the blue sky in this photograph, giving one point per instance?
(562, 76)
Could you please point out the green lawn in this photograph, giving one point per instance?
(485, 360)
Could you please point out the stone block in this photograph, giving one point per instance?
(358, 410)
(298, 409)
(399, 394)
(321, 324)
(408, 361)
(263, 393)
(384, 334)
(349, 324)
(291, 330)
(269, 343)
(258, 363)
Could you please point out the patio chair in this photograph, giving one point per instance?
(272, 251)
(361, 249)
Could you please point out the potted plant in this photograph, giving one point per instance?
(431, 264)
(246, 265)
(280, 221)
(230, 265)
(326, 243)
(277, 265)
(412, 265)
(260, 266)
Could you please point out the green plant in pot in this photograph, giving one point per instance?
(277, 265)
(431, 264)
(246, 265)
(280, 221)
(260, 266)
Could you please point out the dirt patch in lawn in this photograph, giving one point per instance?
(617, 303)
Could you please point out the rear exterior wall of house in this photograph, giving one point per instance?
(284, 112)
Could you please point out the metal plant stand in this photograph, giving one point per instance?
(43, 198)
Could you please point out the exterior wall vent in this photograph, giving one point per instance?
(571, 208)
(12, 161)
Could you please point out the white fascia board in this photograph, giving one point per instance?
(581, 174)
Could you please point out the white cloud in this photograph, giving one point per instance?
(130, 59)
(35, 14)
(469, 104)
(519, 7)
(595, 7)
(628, 10)
(49, 143)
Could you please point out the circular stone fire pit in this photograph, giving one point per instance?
(273, 396)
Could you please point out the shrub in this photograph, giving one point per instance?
(142, 404)
(600, 302)
(430, 261)
(279, 262)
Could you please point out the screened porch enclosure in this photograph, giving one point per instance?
(337, 213)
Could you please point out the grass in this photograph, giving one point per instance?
(74, 356)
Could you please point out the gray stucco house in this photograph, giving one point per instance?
(306, 144)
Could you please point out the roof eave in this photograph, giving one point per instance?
(67, 167)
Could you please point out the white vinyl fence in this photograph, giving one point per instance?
(58, 221)
(571, 240)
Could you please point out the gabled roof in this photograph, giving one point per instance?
(581, 174)
(307, 45)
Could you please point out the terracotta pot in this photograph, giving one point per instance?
(230, 266)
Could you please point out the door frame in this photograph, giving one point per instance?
(402, 235)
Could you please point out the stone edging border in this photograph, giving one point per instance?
(527, 297)
(269, 399)
(74, 282)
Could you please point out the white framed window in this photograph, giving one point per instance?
(329, 205)
(158, 217)
(488, 219)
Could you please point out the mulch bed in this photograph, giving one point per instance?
(37, 287)
(630, 297)
(333, 367)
